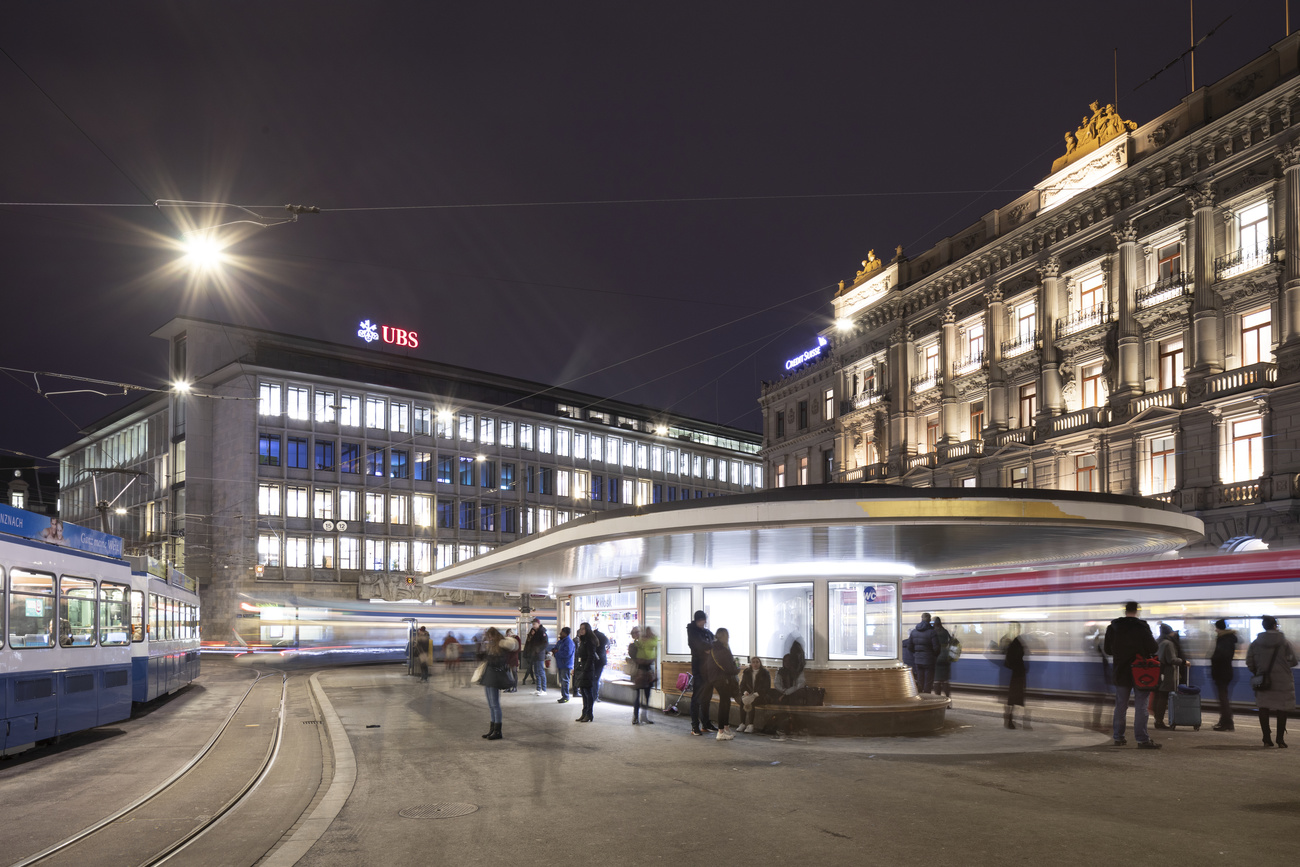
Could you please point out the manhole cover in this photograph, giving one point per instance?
(438, 811)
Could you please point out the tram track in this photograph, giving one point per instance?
(147, 831)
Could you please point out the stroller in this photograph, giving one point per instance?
(685, 681)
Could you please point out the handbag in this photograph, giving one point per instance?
(477, 676)
(1146, 672)
(1262, 681)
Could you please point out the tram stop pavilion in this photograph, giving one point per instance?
(823, 565)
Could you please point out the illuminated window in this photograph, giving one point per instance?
(322, 504)
(295, 502)
(374, 561)
(1086, 476)
(1019, 477)
(442, 426)
(1169, 261)
(828, 404)
(423, 421)
(349, 552)
(349, 410)
(780, 474)
(803, 470)
(1171, 364)
(930, 360)
(862, 620)
(1028, 404)
(374, 508)
(508, 434)
(398, 467)
(295, 552)
(1090, 379)
(375, 461)
(397, 509)
(1247, 450)
(932, 433)
(977, 419)
(1257, 336)
(349, 501)
(1253, 229)
(399, 418)
(580, 446)
(597, 446)
(268, 550)
(322, 552)
(299, 408)
(268, 402)
(268, 450)
(375, 407)
(487, 430)
(975, 341)
(1026, 321)
(526, 437)
(1092, 292)
(563, 442)
(268, 500)
(421, 558)
(466, 427)
(1161, 475)
(544, 439)
(423, 467)
(422, 510)
(326, 406)
(397, 556)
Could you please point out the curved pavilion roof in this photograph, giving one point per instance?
(828, 530)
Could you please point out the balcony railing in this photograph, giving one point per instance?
(969, 364)
(1238, 493)
(865, 473)
(1171, 287)
(927, 460)
(1170, 397)
(1022, 435)
(1164, 498)
(1259, 375)
(1024, 342)
(925, 381)
(1092, 416)
(958, 451)
(1083, 320)
(1248, 258)
(866, 399)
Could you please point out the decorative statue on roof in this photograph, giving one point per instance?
(869, 264)
(1093, 132)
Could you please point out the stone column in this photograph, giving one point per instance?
(949, 345)
(1050, 307)
(1128, 380)
(1288, 353)
(902, 421)
(1207, 348)
(995, 329)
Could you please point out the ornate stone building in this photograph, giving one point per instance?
(1130, 325)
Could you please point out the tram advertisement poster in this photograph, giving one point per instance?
(30, 525)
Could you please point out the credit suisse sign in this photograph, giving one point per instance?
(370, 332)
(807, 356)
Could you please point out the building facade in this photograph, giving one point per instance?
(285, 467)
(1131, 325)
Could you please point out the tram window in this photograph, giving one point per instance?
(137, 615)
(171, 619)
(114, 625)
(31, 609)
(76, 612)
(153, 617)
(863, 622)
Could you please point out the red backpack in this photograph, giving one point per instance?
(1146, 672)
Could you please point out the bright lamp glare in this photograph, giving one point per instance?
(203, 251)
(844, 324)
(181, 386)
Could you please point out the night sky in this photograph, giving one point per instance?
(776, 143)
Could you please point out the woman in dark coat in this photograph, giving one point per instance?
(755, 685)
(1270, 653)
(584, 670)
(496, 675)
(1015, 663)
(1167, 652)
(942, 661)
(720, 668)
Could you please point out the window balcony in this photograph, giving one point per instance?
(1164, 498)
(1261, 375)
(1086, 320)
(1022, 435)
(1089, 417)
(968, 365)
(1021, 344)
(1174, 286)
(1237, 494)
(1172, 398)
(924, 461)
(1248, 258)
(865, 473)
(925, 381)
(866, 399)
(962, 451)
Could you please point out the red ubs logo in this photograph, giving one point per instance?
(369, 332)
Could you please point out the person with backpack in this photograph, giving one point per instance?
(944, 644)
(1127, 638)
(921, 642)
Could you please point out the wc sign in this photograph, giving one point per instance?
(370, 332)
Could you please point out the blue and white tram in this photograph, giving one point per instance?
(74, 618)
(165, 634)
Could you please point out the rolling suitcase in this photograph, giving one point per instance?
(1185, 707)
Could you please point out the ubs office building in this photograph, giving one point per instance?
(303, 468)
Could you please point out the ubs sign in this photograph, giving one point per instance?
(370, 332)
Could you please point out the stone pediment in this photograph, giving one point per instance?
(852, 300)
(1101, 165)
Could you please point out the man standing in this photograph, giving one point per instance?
(563, 653)
(700, 639)
(921, 640)
(535, 653)
(602, 658)
(1128, 637)
(1221, 672)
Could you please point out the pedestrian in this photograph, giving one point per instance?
(585, 670)
(513, 659)
(451, 656)
(786, 686)
(942, 644)
(1171, 664)
(721, 670)
(700, 640)
(563, 654)
(535, 651)
(1222, 671)
(909, 660)
(1015, 663)
(921, 639)
(602, 659)
(1127, 638)
(497, 674)
(755, 686)
(423, 652)
(643, 652)
(1270, 658)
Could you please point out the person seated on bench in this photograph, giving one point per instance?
(755, 685)
(788, 682)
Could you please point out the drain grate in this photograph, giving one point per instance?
(312, 722)
(438, 811)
